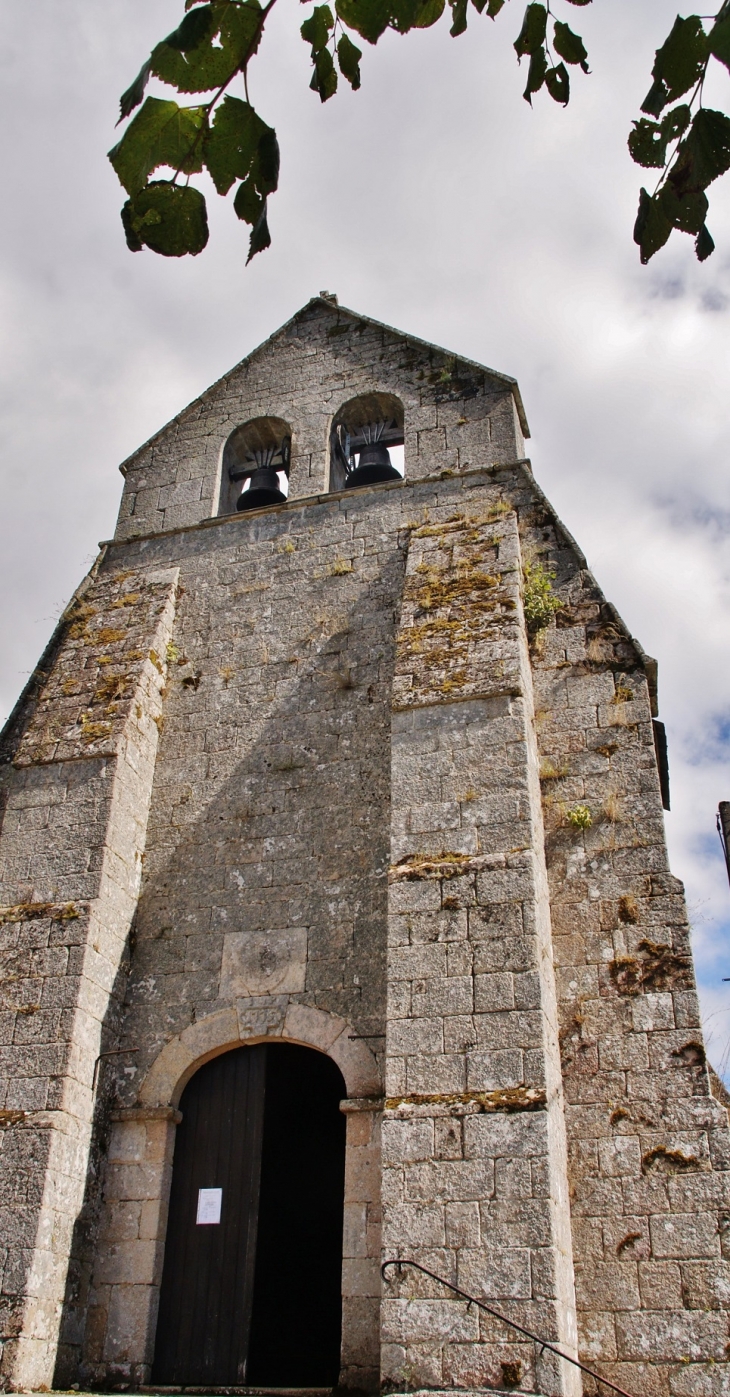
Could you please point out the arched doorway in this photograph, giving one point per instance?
(251, 1285)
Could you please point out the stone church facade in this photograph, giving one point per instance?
(374, 773)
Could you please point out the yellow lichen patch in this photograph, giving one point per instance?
(340, 566)
(452, 684)
(36, 911)
(131, 599)
(92, 731)
(447, 587)
(109, 687)
(446, 865)
(503, 1099)
(79, 617)
(106, 636)
(454, 607)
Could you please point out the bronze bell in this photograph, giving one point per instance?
(264, 488)
(373, 463)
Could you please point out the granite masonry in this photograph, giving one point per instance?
(376, 771)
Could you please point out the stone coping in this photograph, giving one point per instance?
(324, 497)
(362, 1103)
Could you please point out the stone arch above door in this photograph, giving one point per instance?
(228, 1028)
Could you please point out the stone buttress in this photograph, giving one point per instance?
(322, 774)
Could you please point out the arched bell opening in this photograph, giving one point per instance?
(252, 1277)
(256, 460)
(366, 442)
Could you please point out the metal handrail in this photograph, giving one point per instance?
(400, 1262)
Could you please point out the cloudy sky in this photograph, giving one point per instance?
(433, 199)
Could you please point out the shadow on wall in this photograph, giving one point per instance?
(269, 832)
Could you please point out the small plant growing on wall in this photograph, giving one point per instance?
(537, 597)
(579, 816)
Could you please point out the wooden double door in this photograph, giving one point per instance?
(251, 1284)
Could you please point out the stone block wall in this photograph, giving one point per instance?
(648, 1143)
(307, 773)
(76, 801)
(131, 1243)
(475, 1181)
(457, 415)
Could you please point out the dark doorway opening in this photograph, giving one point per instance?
(252, 1296)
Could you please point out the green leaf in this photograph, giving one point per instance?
(240, 27)
(260, 236)
(200, 70)
(704, 154)
(266, 166)
(316, 29)
(647, 144)
(232, 143)
(415, 14)
(161, 134)
(458, 15)
(168, 218)
(348, 57)
(656, 98)
(195, 27)
(570, 46)
(427, 13)
(248, 203)
(134, 243)
(649, 139)
(536, 74)
(494, 7)
(676, 122)
(134, 94)
(324, 77)
(557, 83)
(208, 66)
(704, 244)
(667, 210)
(370, 18)
(579, 2)
(652, 227)
(532, 34)
(680, 60)
(687, 211)
(718, 41)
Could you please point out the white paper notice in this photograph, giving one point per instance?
(209, 1205)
